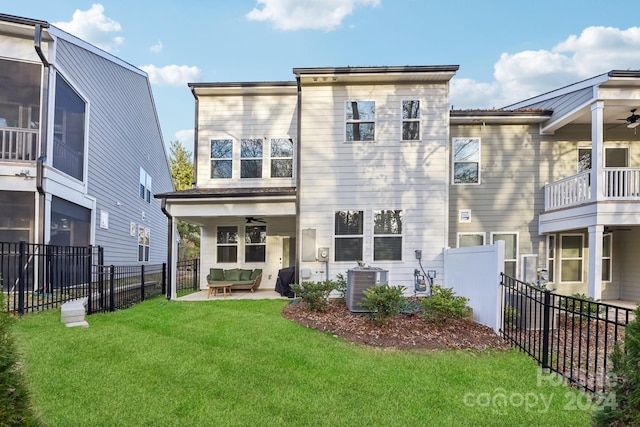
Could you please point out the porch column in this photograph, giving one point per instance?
(595, 261)
(597, 150)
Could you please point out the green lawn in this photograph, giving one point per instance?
(237, 363)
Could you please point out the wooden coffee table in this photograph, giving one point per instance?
(215, 286)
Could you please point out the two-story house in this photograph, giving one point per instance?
(343, 165)
(81, 150)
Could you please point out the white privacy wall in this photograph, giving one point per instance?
(474, 273)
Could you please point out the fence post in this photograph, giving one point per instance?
(142, 282)
(195, 274)
(90, 281)
(164, 278)
(112, 291)
(545, 329)
(21, 278)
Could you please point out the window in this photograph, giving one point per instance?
(466, 160)
(251, 158)
(221, 155)
(410, 120)
(606, 257)
(551, 257)
(255, 240)
(387, 235)
(145, 186)
(227, 249)
(348, 235)
(470, 239)
(281, 158)
(616, 157)
(144, 237)
(584, 159)
(510, 251)
(571, 257)
(68, 130)
(361, 121)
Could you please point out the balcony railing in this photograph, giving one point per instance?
(619, 184)
(18, 144)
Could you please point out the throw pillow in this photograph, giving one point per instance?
(255, 273)
(232, 275)
(245, 274)
(216, 274)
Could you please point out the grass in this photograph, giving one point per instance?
(237, 363)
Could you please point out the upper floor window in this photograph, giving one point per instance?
(281, 158)
(20, 104)
(227, 244)
(251, 158)
(410, 120)
(145, 185)
(360, 120)
(614, 157)
(348, 234)
(68, 130)
(387, 235)
(466, 160)
(221, 158)
(255, 243)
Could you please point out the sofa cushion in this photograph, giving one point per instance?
(255, 273)
(216, 274)
(245, 274)
(232, 274)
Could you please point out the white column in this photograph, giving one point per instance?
(174, 258)
(597, 150)
(595, 261)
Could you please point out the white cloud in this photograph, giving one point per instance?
(522, 75)
(171, 75)
(186, 138)
(157, 48)
(290, 15)
(94, 27)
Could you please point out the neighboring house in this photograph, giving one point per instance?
(81, 151)
(353, 160)
(557, 177)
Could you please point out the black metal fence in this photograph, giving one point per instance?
(571, 336)
(38, 277)
(188, 275)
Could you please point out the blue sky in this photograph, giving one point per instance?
(507, 50)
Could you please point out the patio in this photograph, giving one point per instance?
(235, 295)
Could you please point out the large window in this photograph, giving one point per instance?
(221, 158)
(466, 240)
(387, 235)
(410, 120)
(348, 235)
(510, 251)
(145, 186)
(281, 158)
(144, 241)
(251, 158)
(227, 244)
(70, 223)
(255, 243)
(466, 160)
(20, 104)
(606, 257)
(361, 121)
(68, 130)
(571, 257)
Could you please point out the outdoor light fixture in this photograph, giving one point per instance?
(633, 125)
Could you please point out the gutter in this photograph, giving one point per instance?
(195, 138)
(44, 113)
(163, 207)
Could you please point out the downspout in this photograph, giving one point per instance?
(44, 113)
(195, 140)
(163, 207)
(298, 180)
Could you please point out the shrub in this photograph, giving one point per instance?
(314, 294)
(620, 407)
(581, 307)
(383, 302)
(443, 304)
(15, 409)
(341, 286)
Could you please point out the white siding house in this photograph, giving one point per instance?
(81, 148)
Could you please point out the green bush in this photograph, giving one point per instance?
(583, 307)
(314, 294)
(341, 286)
(383, 302)
(621, 404)
(443, 304)
(15, 409)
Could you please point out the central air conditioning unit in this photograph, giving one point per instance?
(360, 279)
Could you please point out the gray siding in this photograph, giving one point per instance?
(124, 135)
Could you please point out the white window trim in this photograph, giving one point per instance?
(237, 244)
(374, 235)
(555, 257)
(231, 159)
(516, 255)
(471, 233)
(347, 121)
(623, 146)
(246, 244)
(338, 236)
(610, 258)
(268, 156)
(418, 120)
(262, 159)
(559, 259)
(453, 162)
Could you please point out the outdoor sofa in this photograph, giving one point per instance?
(237, 278)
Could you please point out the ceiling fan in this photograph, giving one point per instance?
(252, 219)
(609, 230)
(633, 120)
